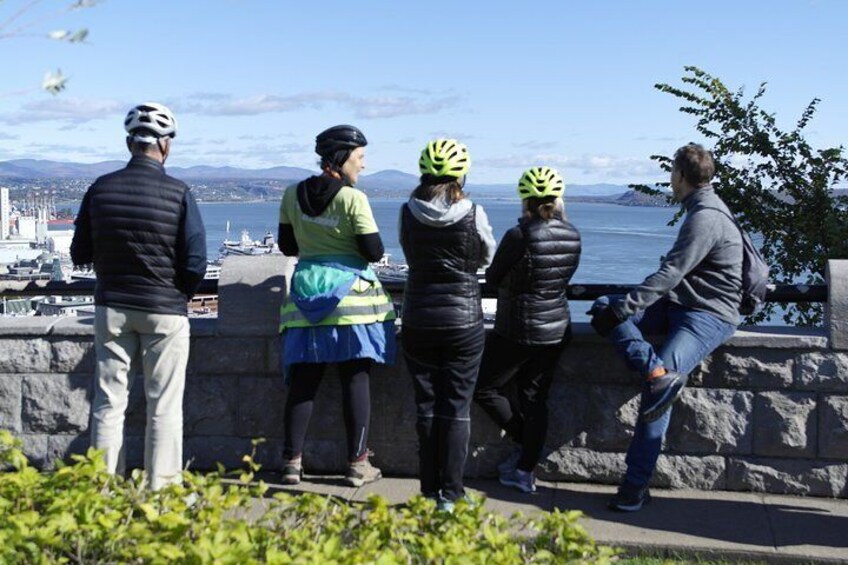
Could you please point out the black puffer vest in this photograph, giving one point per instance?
(442, 289)
(135, 220)
(532, 302)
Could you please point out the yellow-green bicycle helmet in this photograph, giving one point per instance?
(445, 158)
(538, 182)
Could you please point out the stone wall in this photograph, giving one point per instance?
(766, 412)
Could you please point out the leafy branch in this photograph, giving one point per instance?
(781, 189)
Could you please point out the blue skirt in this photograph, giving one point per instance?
(333, 344)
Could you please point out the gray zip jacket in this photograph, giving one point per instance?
(703, 270)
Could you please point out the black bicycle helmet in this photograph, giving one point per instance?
(336, 143)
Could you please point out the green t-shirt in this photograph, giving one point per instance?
(334, 231)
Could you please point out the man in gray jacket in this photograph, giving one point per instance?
(693, 299)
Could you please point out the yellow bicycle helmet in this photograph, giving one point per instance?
(538, 182)
(445, 158)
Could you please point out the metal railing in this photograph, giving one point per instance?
(781, 294)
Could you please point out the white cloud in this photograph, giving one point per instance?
(602, 166)
(73, 110)
(535, 145)
(364, 107)
(7, 136)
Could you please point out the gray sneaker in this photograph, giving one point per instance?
(361, 473)
(292, 471)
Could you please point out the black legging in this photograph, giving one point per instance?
(356, 404)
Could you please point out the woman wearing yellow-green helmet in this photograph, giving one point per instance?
(446, 238)
(531, 268)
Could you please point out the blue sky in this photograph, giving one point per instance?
(522, 83)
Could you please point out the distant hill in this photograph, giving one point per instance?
(44, 169)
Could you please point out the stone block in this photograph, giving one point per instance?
(782, 476)
(593, 363)
(250, 292)
(567, 405)
(330, 456)
(836, 312)
(61, 447)
(576, 464)
(751, 368)
(610, 418)
(211, 406)
(11, 402)
(34, 447)
(203, 327)
(73, 356)
(785, 424)
(684, 471)
(261, 403)
(76, 326)
(26, 326)
(226, 356)
(711, 421)
(24, 356)
(400, 458)
(825, 372)
(274, 356)
(205, 452)
(779, 337)
(393, 411)
(56, 404)
(833, 427)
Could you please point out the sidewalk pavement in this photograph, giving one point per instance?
(714, 524)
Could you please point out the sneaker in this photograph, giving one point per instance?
(292, 471)
(362, 472)
(445, 505)
(630, 498)
(524, 481)
(664, 391)
(508, 465)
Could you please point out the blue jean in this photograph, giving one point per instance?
(691, 335)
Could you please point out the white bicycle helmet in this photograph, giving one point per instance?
(153, 117)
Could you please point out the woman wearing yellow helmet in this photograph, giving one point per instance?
(446, 238)
(531, 268)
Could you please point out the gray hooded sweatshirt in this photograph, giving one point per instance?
(703, 270)
(440, 213)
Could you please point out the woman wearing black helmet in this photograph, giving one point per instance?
(337, 311)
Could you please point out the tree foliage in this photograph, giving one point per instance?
(781, 189)
(81, 514)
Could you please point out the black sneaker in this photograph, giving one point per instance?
(664, 391)
(630, 498)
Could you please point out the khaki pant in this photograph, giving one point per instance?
(161, 341)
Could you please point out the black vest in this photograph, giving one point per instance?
(135, 225)
(442, 289)
(532, 302)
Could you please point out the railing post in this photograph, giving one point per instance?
(250, 292)
(836, 310)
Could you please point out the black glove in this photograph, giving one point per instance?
(605, 320)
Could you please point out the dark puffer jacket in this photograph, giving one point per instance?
(442, 289)
(532, 268)
(143, 232)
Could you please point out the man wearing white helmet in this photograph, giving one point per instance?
(143, 232)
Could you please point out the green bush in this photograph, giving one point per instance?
(81, 514)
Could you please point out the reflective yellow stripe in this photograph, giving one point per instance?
(342, 321)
